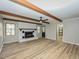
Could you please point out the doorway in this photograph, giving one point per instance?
(59, 35)
(41, 31)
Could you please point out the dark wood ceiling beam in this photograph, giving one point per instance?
(21, 21)
(19, 16)
(35, 8)
(45, 22)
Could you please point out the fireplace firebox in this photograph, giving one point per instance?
(28, 34)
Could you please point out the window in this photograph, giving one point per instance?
(38, 28)
(43, 28)
(10, 29)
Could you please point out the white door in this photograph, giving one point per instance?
(10, 32)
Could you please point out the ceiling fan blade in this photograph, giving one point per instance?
(45, 20)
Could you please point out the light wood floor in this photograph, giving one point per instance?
(40, 49)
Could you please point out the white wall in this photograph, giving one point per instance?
(18, 25)
(1, 34)
(18, 34)
(51, 31)
(71, 31)
(26, 25)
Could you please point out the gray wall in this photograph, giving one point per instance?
(71, 31)
(1, 34)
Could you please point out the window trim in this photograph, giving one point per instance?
(6, 29)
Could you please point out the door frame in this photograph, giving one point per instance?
(59, 32)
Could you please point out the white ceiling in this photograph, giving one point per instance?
(9, 6)
(64, 9)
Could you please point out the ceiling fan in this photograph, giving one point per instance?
(42, 21)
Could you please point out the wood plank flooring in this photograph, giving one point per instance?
(40, 49)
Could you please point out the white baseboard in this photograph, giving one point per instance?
(71, 42)
(66, 42)
(1, 48)
(9, 42)
(28, 39)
